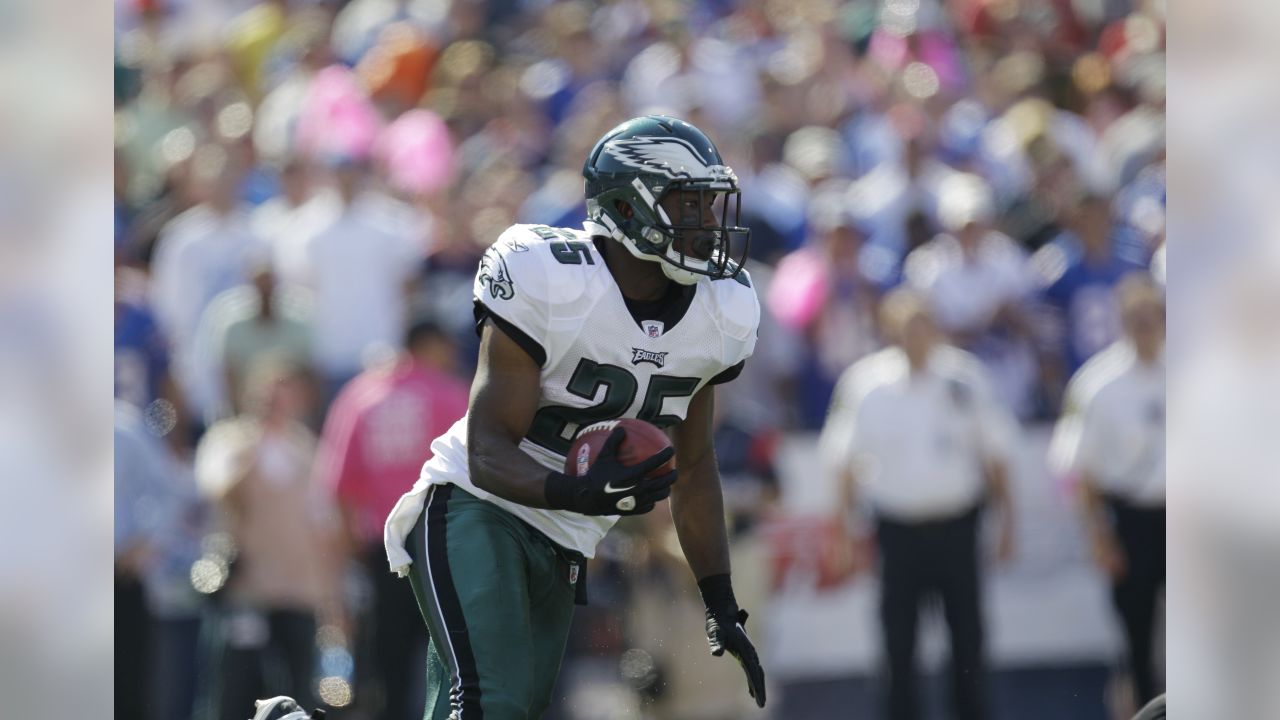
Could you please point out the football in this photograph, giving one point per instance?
(643, 440)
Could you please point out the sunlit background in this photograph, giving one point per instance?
(257, 144)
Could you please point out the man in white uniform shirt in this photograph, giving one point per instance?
(360, 270)
(917, 432)
(976, 279)
(288, 221)
(200, 254)
(1114, 432)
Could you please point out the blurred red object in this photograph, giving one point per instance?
(398, 69)
(814, 551)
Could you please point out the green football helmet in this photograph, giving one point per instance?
(640, 161)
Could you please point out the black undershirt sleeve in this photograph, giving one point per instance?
(521, 338)
(728, 374)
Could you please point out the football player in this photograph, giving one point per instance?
(636, 315)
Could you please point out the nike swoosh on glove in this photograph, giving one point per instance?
(609, 487)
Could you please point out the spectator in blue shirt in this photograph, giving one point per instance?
(141, 354)
(159, 521)
(142, 373)
(1078, 272)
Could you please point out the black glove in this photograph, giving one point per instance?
(609, 487)
(726, 631)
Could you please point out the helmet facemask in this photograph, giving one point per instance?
(704, 237)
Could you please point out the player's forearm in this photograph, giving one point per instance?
(499, 466)
(504, 397)
(697, 507)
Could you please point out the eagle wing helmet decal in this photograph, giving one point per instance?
(672, 157)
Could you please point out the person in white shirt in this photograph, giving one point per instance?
(917, 439)
(1112, 437)
(360, 270)
(289, 220)
(976, 279)
(199, 254)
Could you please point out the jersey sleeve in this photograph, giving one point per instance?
(995, 426)
(511, 289)
(998, 428)
(838, 441)
(1094, 430)
(1069, 446)
(738, 310)
(843, 443)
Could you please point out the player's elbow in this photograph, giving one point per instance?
(477, 447)
(485, 451)
(480, 462)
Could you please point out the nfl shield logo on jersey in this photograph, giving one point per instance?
(652, 328)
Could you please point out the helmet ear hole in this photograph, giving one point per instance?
(623, 209)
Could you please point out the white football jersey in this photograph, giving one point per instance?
(550, 290)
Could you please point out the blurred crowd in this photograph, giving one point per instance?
(303, 189)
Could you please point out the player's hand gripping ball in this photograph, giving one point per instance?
(639, 443)
(642, 441)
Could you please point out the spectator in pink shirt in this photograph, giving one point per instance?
(376, 437)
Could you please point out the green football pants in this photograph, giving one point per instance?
(497, 598)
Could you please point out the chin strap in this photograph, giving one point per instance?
(674, 272)
(678, 274)
(626, 234)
